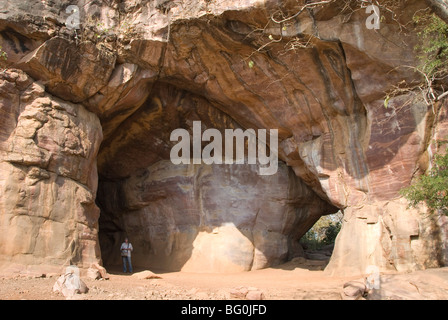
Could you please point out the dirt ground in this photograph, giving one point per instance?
(287, 282)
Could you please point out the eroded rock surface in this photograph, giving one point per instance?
(145, 68)
(211, 218)
(48, 177)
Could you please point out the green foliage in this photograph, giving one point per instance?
(433, 47)
(3, 54)
(101, 30)
(432, 53)
(432, 188)
(3, 57)
(331, 232)
(323, 232)
(386, 101)
(310, 242)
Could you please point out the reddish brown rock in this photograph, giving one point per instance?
(161, 65)
(67, 70)
(218, 218)
(48, 178)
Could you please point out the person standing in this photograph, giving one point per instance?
(126, 249)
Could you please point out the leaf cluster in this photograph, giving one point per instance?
(323, 232)
(432, 188)
(3, 58)
(433, 47)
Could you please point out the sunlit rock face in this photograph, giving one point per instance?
(212, 218)
(48, 178)
(137, 70)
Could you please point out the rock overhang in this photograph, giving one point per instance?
(320, 97)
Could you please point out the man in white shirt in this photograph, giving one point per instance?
(126, 249)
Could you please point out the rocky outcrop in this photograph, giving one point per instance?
(48, 178)
(145, 68)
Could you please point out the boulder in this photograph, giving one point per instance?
(96, 269)
(146, 275)
(246, 293)
(354, 290)
(70, 284)
(93, 274)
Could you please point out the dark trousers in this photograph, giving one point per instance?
(127, 260)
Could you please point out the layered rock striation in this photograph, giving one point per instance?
(213, 218)
(48, 178)
(136, 70)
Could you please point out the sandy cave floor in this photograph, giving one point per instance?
(286, 282)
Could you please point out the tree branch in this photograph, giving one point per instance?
(443, 95)
(306, 6)
(440, 8)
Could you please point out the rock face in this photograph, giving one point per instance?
(48, 177)
(213, 218)
(136, 70)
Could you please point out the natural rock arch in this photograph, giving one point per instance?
(191, 62)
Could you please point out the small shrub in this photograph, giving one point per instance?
(432, 188)
(3, 58)
(433, 49)
(323, 232)
(331, 233)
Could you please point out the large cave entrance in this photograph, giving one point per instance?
(222, 218)
(195, 217)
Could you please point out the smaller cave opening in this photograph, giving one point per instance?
(319, 241)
